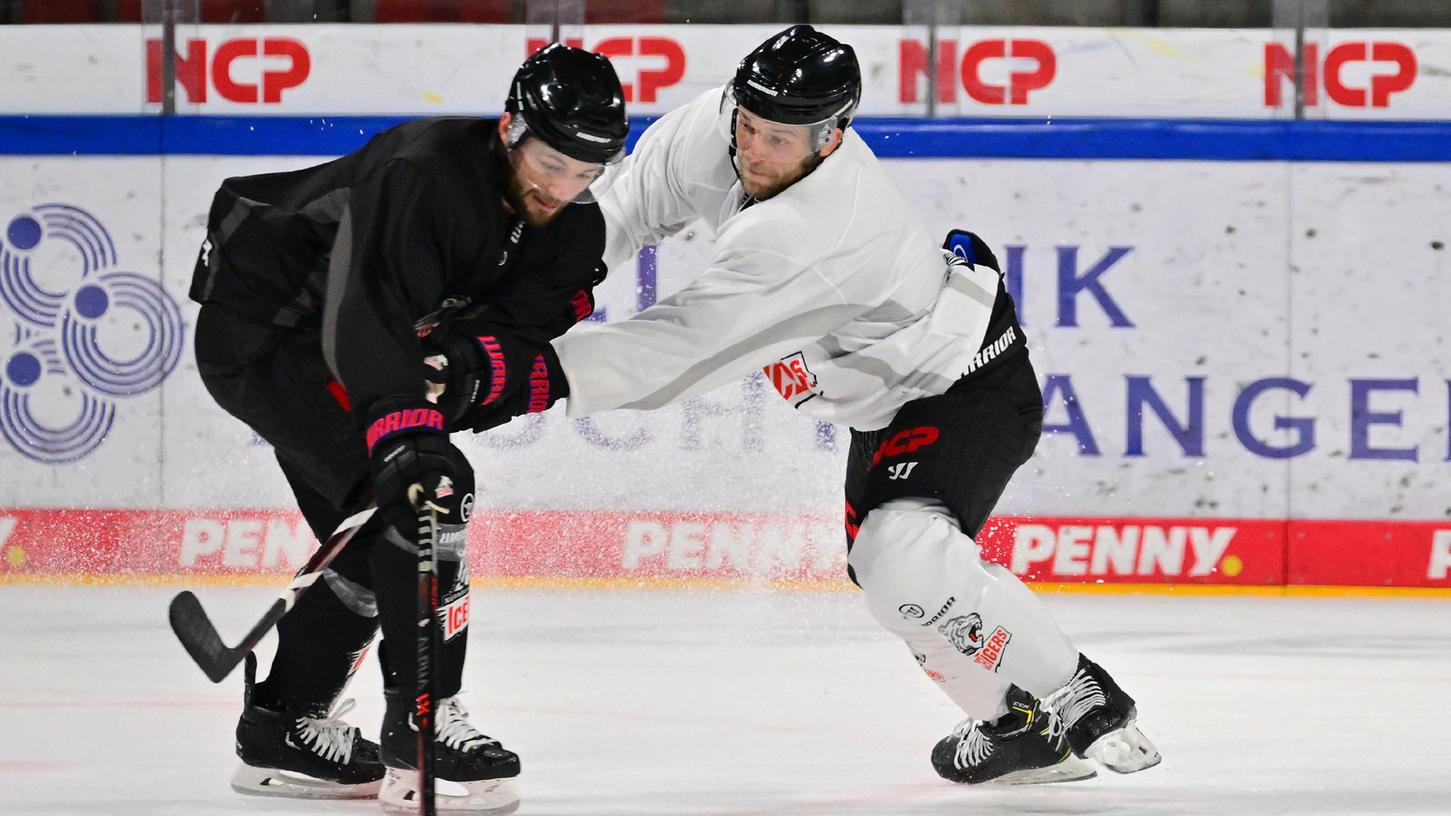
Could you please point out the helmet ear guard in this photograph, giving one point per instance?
(821, 133)
(518, 128)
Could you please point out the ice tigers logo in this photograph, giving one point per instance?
(992, 653)
(964, 632)
(453, 616)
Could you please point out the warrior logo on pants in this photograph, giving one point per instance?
(964, 632)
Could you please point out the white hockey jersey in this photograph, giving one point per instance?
(832, 287)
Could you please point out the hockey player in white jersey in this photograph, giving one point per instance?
(824, 279)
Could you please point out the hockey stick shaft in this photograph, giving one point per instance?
(428, 653)
(194, 628)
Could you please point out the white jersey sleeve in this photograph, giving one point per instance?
(670, 179)
(831, 287)
(751, 307)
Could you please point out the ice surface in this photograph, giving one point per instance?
(741, 703)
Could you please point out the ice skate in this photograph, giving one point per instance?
(473, 771)
(305, 755)
(1098, 719)
(1021, 748)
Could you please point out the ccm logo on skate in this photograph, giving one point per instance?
(992, 651)
(1376, 56)
(905, 442)
(999, 54)
(663, 56)
(283, 63)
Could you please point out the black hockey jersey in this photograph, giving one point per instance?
(379, 245)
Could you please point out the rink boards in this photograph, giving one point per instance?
(1238, 325)
(592, 549)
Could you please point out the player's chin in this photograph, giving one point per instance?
(760, 191)
(538, 216)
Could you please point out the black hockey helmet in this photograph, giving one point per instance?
(800, 77)
(570, 99)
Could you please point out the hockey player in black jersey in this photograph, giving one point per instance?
(322, 290)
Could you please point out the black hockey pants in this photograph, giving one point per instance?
(275, 380)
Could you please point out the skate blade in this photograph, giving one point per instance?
(1124, 751)
(495, 797)
(273, 782)
(1071, 769)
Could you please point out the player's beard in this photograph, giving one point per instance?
(521, 197)
(761, 189)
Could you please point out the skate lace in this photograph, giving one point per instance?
(329, 737)
(1067, 705)
(973, 746)
(454, 729)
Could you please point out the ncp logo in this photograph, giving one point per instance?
(278, 63)
(660, 61)
(1030, 65)
(76, 333)
(1385, 67)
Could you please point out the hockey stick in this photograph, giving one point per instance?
(428, 649)
(199, 636)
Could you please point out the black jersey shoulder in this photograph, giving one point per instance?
(450, 147)
(460, 155)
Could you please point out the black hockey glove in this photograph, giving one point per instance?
(412, 460)
(457, 371)
(492, 374)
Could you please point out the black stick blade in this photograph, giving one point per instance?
(199, 637)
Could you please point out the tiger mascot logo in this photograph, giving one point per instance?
(964, 632)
